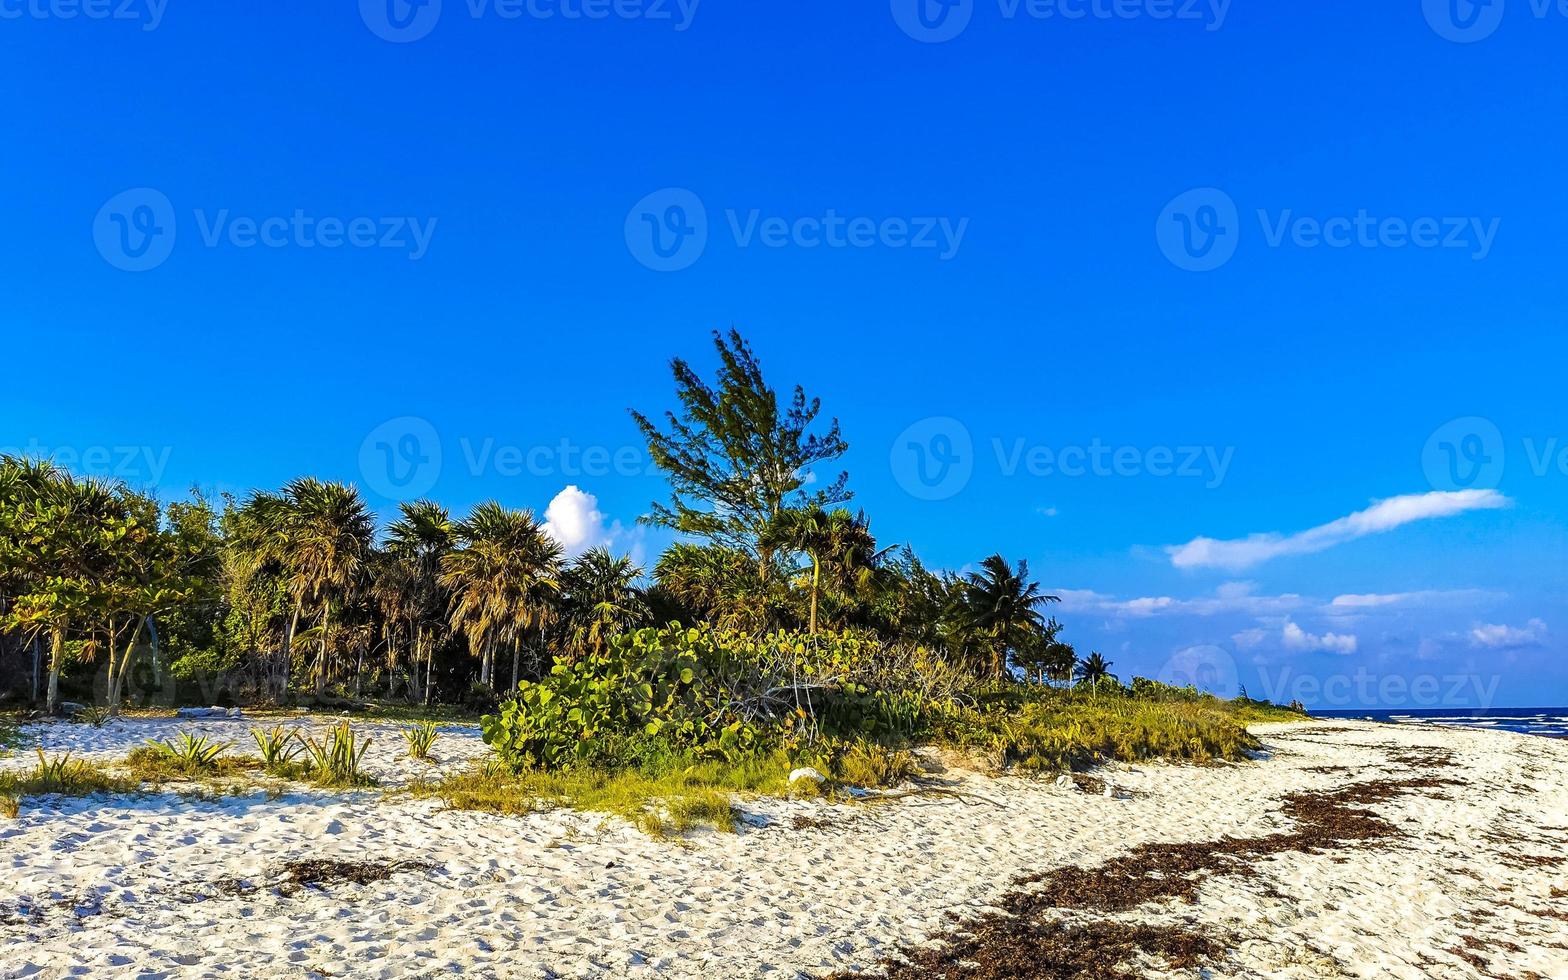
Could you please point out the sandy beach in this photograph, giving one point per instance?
(1473, 884)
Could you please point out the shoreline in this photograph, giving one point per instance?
(190, 887)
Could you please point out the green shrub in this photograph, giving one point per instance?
(716, 694)
(420, 736)
(335, 760)
(278, 748)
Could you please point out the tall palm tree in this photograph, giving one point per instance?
(1093, 670)
(603, 598)
(323, 536)
(504, 580)
(411, 588)
(838, 538)
(1003, 607)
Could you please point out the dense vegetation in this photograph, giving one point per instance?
(778, 626)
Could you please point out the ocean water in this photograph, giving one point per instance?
(1550, 722)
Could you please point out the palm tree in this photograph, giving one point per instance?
(1093, 670)
(837, 537)
(603, 598)
(1003, 607)
(411, 585)
(322, 535)
(713, 584)
(504, 580)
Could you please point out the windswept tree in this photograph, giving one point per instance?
(504, 579)
(602, 598)
(736, 457)
(1003, 608)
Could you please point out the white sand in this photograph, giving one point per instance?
(130, 886)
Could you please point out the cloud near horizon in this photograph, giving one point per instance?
(1382, 516)
(1500, 636)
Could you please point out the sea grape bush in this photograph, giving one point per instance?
(713, 693)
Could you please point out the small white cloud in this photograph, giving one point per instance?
(1249, 639)
(1385, 515)
(1503, 637)
(1426, 597)
(1296, 638)
(574, 520)
(1049, 511)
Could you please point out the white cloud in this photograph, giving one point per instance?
(1503, 637)
(1296, 638)
(1249, 639)
(1382, 516)
(1049, 511)
(1232, 597)
(574, 520)
(1346, 603)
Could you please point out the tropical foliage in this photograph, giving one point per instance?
(775, 623)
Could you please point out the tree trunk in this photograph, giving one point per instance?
(38, 666)
(816, 583)
(321, 654)
(56, 660)
(280, 677)
(117, 672)
(517, 656)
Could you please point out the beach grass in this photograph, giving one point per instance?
(58, 776)
(1042, 730)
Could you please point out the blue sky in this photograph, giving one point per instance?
(1270, 265)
